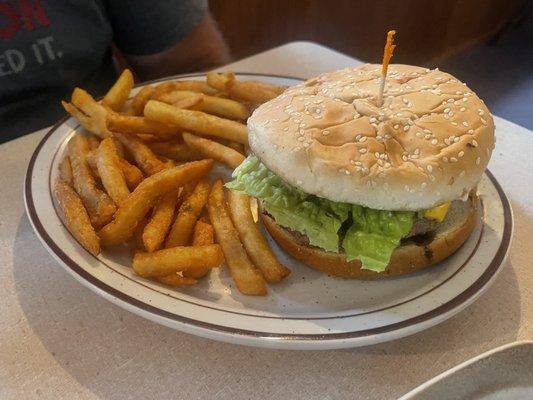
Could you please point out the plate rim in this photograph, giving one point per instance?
(148, 311)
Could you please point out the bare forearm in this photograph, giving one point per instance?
(202, 49)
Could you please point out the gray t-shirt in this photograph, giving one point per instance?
(47, 47)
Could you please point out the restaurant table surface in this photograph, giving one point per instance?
(59, 340)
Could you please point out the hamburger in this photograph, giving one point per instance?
(363, 191)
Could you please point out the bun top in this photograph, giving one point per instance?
(428, 144)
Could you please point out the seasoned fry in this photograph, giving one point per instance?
(176, 280)
(110, 171)
(132, 174)
(139, 202)
(225, 108)
(203, 235)
(216, 151)
(188, 214)
(254, 242)
(248, 279)
(143, 156)
(89, 113)
(99, 206)
(119, 92)
(219, 81)
(76, 217)
(193, 86)
(157, 228)
(196, 121)
(193, 102)
(252, 91)
(140, 125)
(141, 98)
(138, 232)
(168, 261)
(175, 150)
(65, 170)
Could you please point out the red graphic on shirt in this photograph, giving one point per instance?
(26, 14)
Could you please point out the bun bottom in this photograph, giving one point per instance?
(408, 258)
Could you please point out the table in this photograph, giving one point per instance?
(60, 340)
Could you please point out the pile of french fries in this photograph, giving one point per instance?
(139, 175)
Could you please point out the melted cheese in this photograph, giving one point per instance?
(438, 213)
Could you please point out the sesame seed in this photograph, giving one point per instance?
(396, 126)
(456, 139)
(362, 151)
(478, 160)
(434, 141)
(454, 123)
(474, 142)
(427, 137)
(465, 99)
(461, 174)
(301, 138)
(286, 129)
(419, 134)
(460, 154)
(376, 154)
(453, 159)
(458, 92)
(372, 119)
(480, 112)
(462, 109)
(363, 139)
(465, 123)
(470, 131)
(451, 113)
(305, 144)
(445, 159)
(446, 110)
(429, 167)
(417, 151)
(325, 133)
(483, 121)
(423, 185)
(406, 128)
(431, 178)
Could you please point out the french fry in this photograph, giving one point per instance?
(99, 205)
(225, 108)
(160, 221)
(216, 151)
(193, 102)
(138, 232)
(239, 147)
(132, 174)
(76, 217)
(219, 80)
(141, 98)
(196, 121)
(175, 150)
(203, 235)
(110, 171)
(188, 214)
(247, 277)
(252, 91)
(89, 113)
(193, 86)
(118, 94)
(168, 261)
(254, 242)
(143, 156)
(65, 170)
(140, 125)
(139, 202)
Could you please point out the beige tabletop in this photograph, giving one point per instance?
(59, 340)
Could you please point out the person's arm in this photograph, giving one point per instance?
(202, 49)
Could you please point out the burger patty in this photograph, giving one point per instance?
(423, 228)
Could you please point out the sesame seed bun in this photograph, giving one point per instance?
(411, 256)
(428, 144)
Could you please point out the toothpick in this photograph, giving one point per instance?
(387, 55)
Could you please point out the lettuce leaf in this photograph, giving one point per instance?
(372, 236)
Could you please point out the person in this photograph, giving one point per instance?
(48, 47)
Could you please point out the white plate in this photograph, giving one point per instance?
(308, 310)
(502, 373)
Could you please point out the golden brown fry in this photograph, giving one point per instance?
(252, 91)
(196, 121)
(219, 80)
(193, 102)
(132, 174)
(65, 170)
(247, 277)
(203, 235)
(141, 98)
(99, 206)
(139, 202)
(138, 233)
(175, 150)
(188, 214)
(194, 86)
(225, 108)
(176, 280)
(110, 171)
(143, 156)
(118, 94)
(254, 242)
(76, 217)
(168, 261)
(90, 114)
(216, 151)
(160, 221)
(140, 125)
